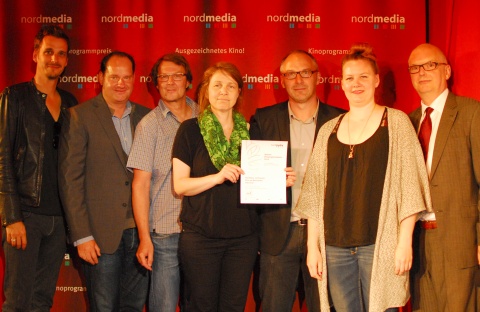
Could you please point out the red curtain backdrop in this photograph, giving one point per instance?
(455, 28)
(253, 35)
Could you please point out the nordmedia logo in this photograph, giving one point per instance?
(142, 21)
(270, 81)
(266, 82)
(82, 82)
(62, 20)
(394, 21)
(296, 21)
(226, 20)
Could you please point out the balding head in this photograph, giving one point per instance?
(429, 83)
(426, 50)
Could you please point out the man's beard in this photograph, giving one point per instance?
(53, 75)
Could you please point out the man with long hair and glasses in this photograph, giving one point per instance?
(33, 232)
(156, 208)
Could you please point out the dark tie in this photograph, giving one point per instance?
(425, 131)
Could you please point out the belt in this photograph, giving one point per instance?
(300, 222)
(428, 225)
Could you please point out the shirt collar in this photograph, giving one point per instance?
(310, 120)
(126, 112)
(438, 104)
(165, 110)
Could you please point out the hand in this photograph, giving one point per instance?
(17, 235)
(229, 172)
(89, 251)
(291, 176)
(145, 253)
(403, 259)
(314, 263)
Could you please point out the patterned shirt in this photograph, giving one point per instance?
(151, 152)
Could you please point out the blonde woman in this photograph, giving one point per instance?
(365, 184)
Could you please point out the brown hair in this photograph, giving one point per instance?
(361, 51)
(50, 30)
(228, 69)
(175, 58)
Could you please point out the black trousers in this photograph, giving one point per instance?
(216, 272)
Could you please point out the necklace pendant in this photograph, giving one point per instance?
(350, 155)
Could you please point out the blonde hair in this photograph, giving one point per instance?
(361, 51)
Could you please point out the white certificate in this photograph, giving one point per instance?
(264, 164)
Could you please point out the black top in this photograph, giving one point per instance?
(216, 212)
(354, 188)
(49, 197)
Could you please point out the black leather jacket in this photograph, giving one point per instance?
(22, 134)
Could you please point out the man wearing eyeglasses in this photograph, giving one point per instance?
(156, 207)
(95, 188)
(446, 251)
(33, 231)
(282, 233)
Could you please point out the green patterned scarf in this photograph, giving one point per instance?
(222, 151)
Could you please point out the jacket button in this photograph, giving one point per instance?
(127, 183)
(124, 204)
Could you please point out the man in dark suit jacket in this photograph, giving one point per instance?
(446, 241)
(95, 188)
(282, 234)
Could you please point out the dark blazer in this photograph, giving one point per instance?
(455, 178)
(95, 185)
(273, 123)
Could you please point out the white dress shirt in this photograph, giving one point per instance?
(438, 105)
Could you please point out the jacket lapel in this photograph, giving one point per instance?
(134, 118)
(415, 117)
(446, 123)
(283, 123)
(105, 120)
(283, 126)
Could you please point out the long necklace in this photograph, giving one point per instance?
(352, 146)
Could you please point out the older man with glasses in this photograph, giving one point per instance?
(446, 251)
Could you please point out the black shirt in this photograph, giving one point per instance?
(216, 212)
(49, 197)
(354, 188)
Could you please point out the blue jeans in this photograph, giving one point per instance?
(165, 278)
(31, 274)
(349, 274)
(279, 275)
(118, 282)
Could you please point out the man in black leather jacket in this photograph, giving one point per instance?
(33, 231)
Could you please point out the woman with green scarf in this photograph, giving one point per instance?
(218, 243)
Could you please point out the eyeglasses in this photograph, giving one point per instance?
(116, 79)
(427, 67)
(57, 127)
(306, 73)
(176, 76)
